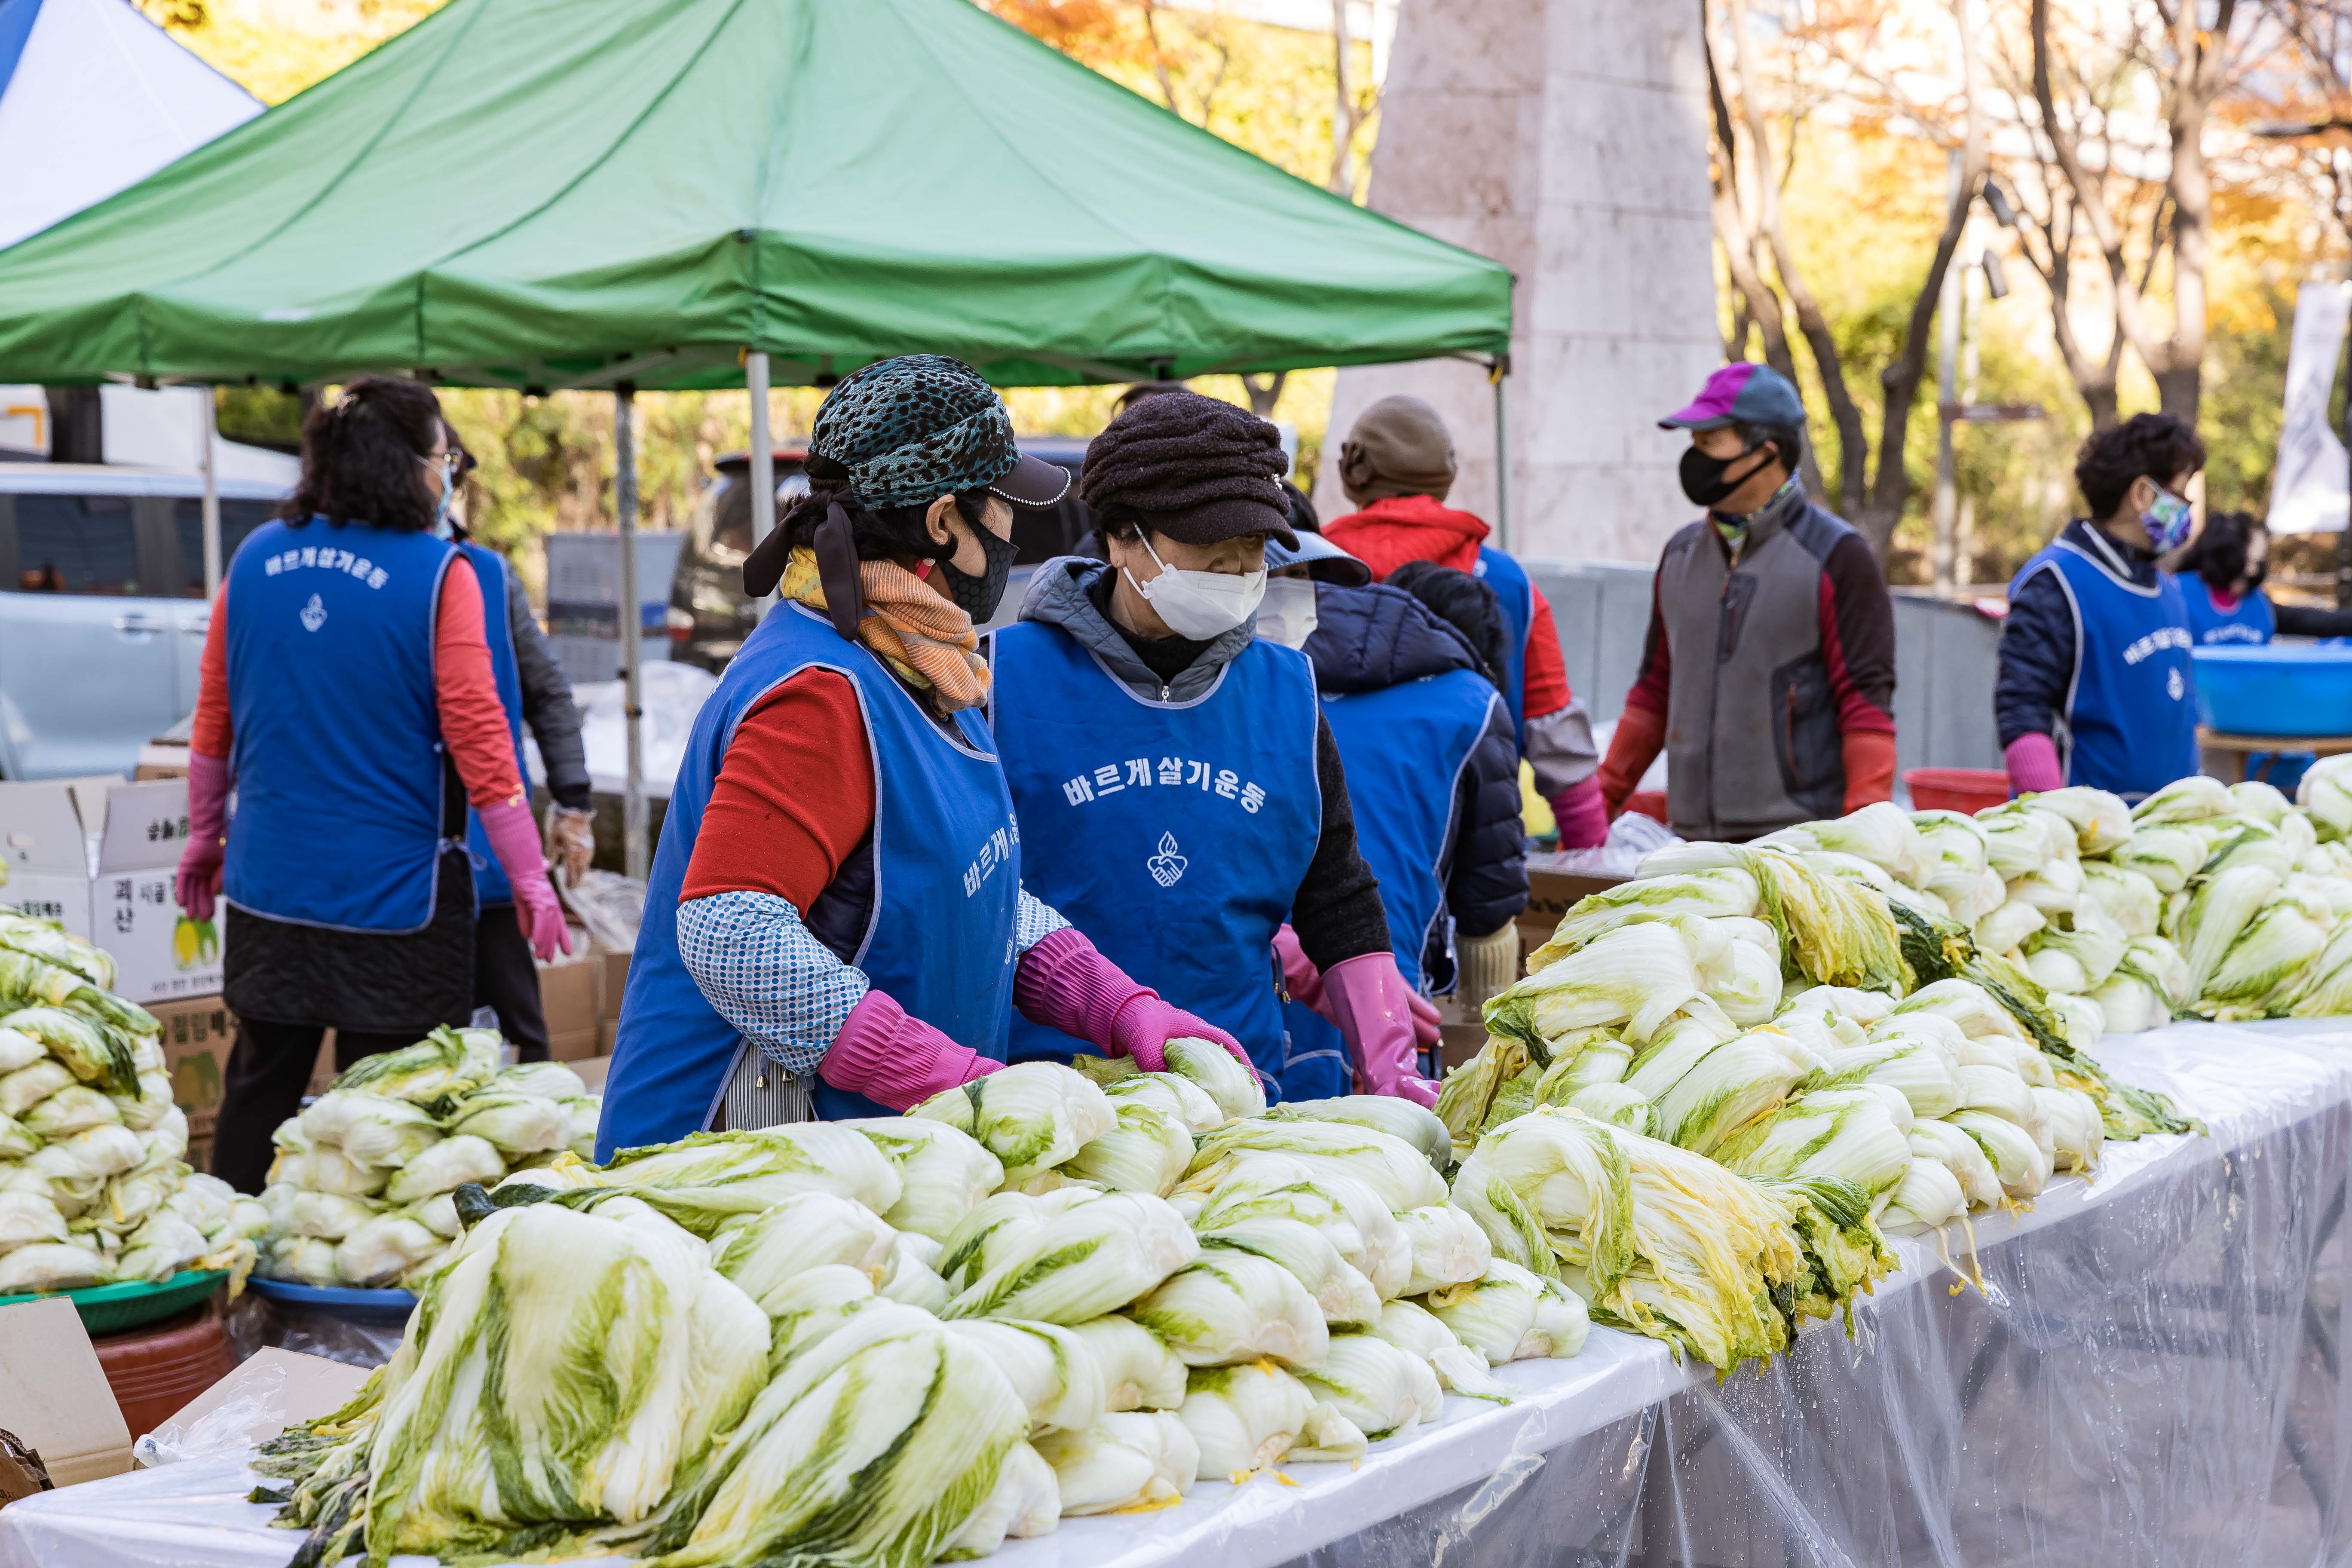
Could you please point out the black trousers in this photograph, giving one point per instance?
(506, 981)
(268, 1070)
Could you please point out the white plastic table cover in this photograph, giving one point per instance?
(2150, 1376)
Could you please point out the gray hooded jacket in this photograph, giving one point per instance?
(1337, 910)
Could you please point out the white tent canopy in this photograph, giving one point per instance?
(94, 97)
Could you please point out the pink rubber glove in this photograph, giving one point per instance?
(199, 881)
(2033, 760)
(886, 1055)
(1305, 983)
(514, 839)
(1065, 983)
(1427, 1027)
(1300, 975)
(1582, 815)
(1375, 1016)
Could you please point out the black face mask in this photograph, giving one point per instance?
(1705, 479)
(977, 597)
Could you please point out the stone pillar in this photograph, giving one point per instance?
(1567, 139)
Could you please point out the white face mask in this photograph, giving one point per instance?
(1287, 614)
(1200, 604)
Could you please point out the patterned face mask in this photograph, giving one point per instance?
(2168, 521)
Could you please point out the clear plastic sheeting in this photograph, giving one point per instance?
(2150, 1376)
(255, 1322)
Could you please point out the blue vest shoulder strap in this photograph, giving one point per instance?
(1517, 594)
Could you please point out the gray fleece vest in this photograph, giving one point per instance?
(1752, 739)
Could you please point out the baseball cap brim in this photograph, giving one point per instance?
(1032, 482)
(1696, 417)
(1326, 561)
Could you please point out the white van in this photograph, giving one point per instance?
(102, 611)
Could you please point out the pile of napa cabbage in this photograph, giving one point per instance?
(93, 1188)
(361, 1192)
(1855, 1018)
(878, 1342)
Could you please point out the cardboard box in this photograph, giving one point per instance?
(1552, 893)
(161, 760)
(616, 983)
(278, 1389)
(591, 1071)
(54, 1395)
(50, 858)
(1457, 1043)
(197, 1035)
(99, 856)
(570, 995)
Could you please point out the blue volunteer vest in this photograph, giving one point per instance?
(2250, 621)
(1174, 835)
(947, 885)
(1518, 596)
(1404, 748)
(490, 884)
(337, 748)
(2131, 717)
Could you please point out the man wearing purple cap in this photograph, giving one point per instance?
(1768, 676)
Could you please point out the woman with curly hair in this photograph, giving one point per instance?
(1179, 790)
(347, 695)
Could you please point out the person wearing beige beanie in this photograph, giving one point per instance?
(1398, 464)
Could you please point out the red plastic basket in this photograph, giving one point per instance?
(1956, 789)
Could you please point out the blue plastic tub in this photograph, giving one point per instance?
(359, 1306)
(2279, 689)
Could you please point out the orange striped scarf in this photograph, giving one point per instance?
(926, 640)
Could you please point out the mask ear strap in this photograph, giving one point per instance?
(837, 571)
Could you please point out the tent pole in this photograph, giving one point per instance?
(763, 454)
(1498, 376)
(212, 532)
(624, 505)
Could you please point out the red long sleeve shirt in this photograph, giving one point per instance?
(793, 798)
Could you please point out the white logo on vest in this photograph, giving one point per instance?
(314, 614)
(1167, 867)
(2172, 685)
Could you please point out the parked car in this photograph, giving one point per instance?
(708, 614)
(102, 611)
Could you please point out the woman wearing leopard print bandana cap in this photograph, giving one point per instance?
(836, 924)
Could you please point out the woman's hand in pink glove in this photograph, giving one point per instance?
(198, 883)
(1300, 975)
(2033, 760)
(1582, 815)
(1428, 1027)
(514, 839)
(887, 1055)
(1144, 1027)
(1305, 983)
(1064, 982)
(1375, 1017)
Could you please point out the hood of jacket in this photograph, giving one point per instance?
(1370, 639)
(1059, 595)
(1391, 532)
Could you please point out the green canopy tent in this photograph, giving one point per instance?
(678, 193)
(578, 193)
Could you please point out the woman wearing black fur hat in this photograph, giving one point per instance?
(1179, 792)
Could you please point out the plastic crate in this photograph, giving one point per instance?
(2298, 689)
